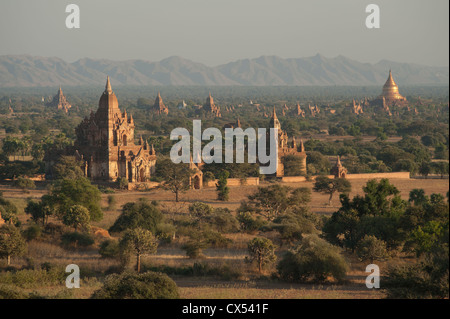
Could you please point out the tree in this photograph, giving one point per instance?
(418, 197)
(175, 176)
(67, 167)
(40, 211)
(77, 216)
(139, 240)
(313, 259)
(222, 188)
(8, 210)
(149, 285)
(200, 211)
(329, 186)
(68, 192)
(425, 169)
(11, 242)
(273, 201)
(141, 214)
(262, 251)
(377, 213)
(293, 165)
(440, 168)
(371, 248)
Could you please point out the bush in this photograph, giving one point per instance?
(32, 278)
(24, 183)
(200, 211)
(149, 285)
(194, 248)
(11, 293)
(75, 240)
(109, 249)
(122, 183)
(32, 232)
(313, 260)
(215, 239)
(111, 202)
(249, 224)
(224, 221)
(371, 248)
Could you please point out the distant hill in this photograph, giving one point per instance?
(31, 71)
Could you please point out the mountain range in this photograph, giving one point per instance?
(33, 71)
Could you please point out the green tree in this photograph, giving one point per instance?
(68, 192)
(222, 189)
(141, 214)
(371, 248)
(140, 241)
(425, 169)
(11, 242)
(261, 251)
(40, 211)
(328, 186)
(376, 213)
(273, 201)
(293, 165)
(67, 167)
(200, 211)
(8, 210)
(175, 176)
(77, 216)
(418, 197)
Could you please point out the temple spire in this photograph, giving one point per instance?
(302, 146)
(108, 88)
(338, 162)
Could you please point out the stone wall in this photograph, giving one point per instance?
(235, 182)
(395, 175)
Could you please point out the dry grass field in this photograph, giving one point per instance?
(249, 286)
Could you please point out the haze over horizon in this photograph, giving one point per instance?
(219, 32)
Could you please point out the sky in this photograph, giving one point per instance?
(215, 32)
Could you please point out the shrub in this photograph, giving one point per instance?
(31, 278)
(200, 211)
(371, 248)
(32, 232)
(24, 183)
(75, 240)
(111, 202)
(109, 249)
(313, 260)
(149, 285)
(249, 224)
(194, 248)
(224, 221)
(11, 293)
(122, 183)
(215, 239)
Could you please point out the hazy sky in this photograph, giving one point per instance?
(214, 32)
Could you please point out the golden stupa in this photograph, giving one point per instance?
(390, 90)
